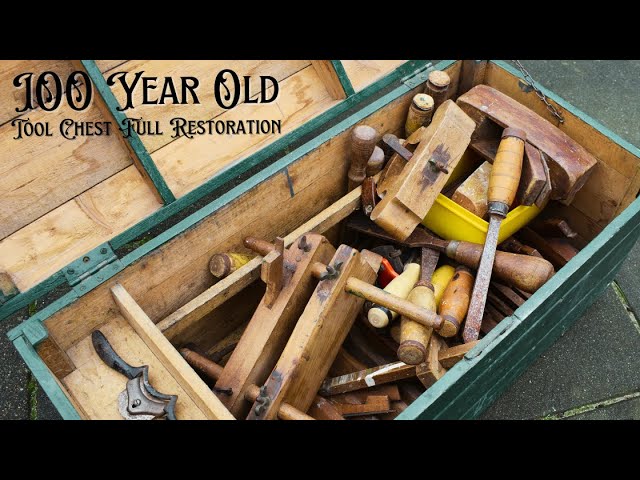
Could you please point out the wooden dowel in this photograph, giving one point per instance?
(396, 304)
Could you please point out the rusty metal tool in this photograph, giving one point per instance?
(139, 400)
(503, 185)
(525, 272)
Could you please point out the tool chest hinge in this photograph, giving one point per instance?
(418, 76)
(92, 268)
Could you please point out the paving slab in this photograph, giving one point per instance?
(626, 410)
(598, 358)
(629, 279)
(14, 398)
(604, 89)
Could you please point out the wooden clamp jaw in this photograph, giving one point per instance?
(412, 194)
(317, 336)
(271, 325)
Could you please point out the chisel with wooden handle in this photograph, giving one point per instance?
(503, 185)
(456, 298)
(414, 337)
(525, 272)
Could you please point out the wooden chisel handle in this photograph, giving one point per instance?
(414, 337)
(456, 298)
(525, 272)
(363, 142)
(402, 306)
(506, 170)
(380, 315)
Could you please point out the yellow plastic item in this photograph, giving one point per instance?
(450, 221)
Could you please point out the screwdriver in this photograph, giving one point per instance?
(503, 185)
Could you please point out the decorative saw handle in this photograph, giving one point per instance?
(109, 356)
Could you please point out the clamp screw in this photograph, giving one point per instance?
(303, 245)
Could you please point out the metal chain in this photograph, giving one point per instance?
(542, 96)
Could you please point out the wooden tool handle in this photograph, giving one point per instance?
(400, 286)
(440, 279)
(402, 306)
(258, 245)
(414, 337)
(363, 142)
(455, 301)
(375, 162)
(222, 265)
(507, 167)
(525, 272)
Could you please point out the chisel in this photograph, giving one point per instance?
(363, 143)
(414, 337)
(525, 272)
(503, 185)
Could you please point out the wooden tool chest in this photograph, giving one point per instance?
(151, 300)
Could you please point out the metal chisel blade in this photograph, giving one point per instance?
(481, 285)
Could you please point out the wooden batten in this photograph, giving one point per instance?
(327, 73)
(169, 356)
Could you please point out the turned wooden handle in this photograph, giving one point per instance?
(212, 370)
(363, 142)
(507, 167)
(525, 272)
(258, 245)
(414, 337)
(222, 265)
(402, 306)
(455, 301)
(440, 279)
(380, 316)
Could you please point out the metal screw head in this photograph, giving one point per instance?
(103, 251)
(71, 271)
(136, 403)
(303, 245)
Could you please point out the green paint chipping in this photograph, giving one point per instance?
(625, 303)
(32, 390)
(590, 407)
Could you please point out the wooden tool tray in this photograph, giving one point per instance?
(166, 281)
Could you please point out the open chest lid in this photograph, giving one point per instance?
(87, 170)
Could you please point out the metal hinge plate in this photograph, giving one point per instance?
(418, 77)
(92, 269)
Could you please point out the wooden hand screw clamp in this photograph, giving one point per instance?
(290, 278)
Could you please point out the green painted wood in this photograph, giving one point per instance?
(45, 379)
(134, 141)
(406, 70)
(345, 81)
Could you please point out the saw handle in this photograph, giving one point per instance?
(507, 167)
(109, 356)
